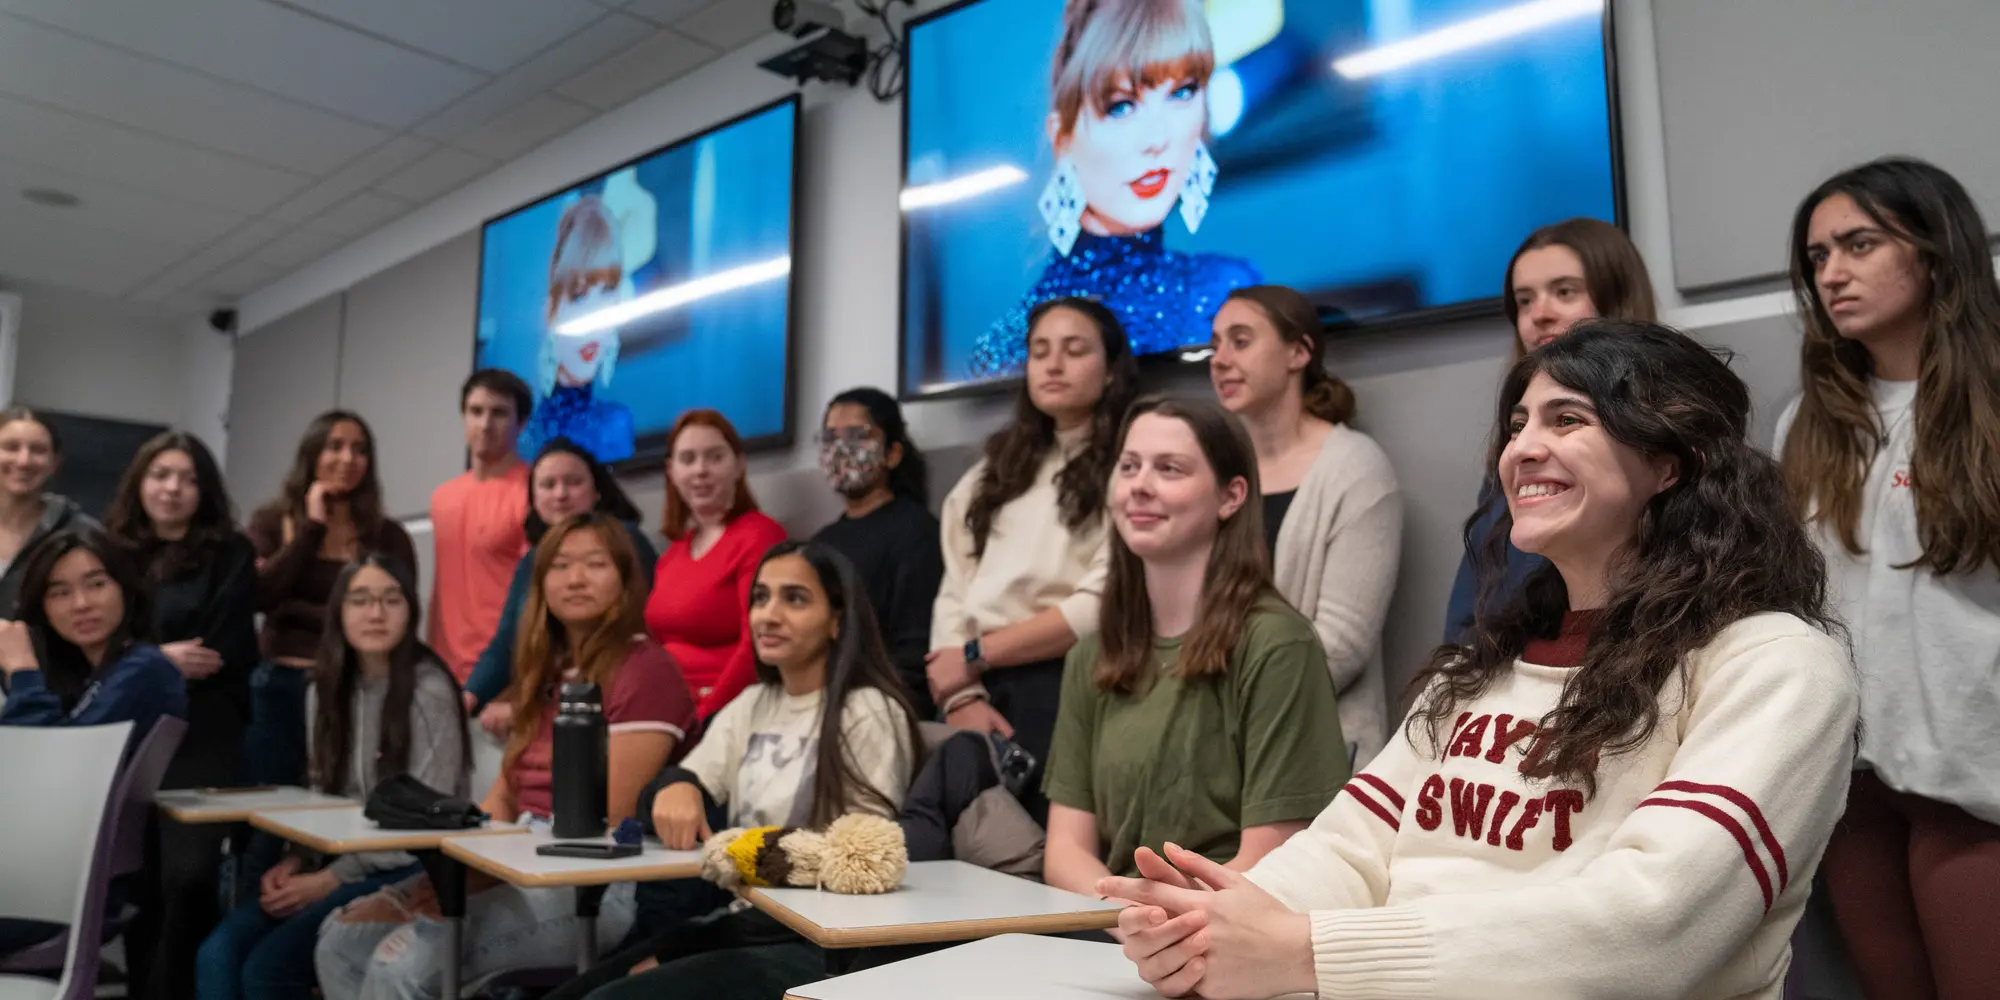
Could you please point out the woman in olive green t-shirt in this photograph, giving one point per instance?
(1201, 713)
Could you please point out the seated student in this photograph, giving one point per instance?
(381, 704)
(826, 731)
(1200, 712)
(30, 453)
(582, 623)
(887, 530)
(1621, 783)
(564, 481)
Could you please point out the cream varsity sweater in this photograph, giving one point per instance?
(1448, 874)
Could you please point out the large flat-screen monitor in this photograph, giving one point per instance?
(659, 285)
(1383, 156)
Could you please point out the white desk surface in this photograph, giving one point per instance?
(347, 831)
(513, 860)
(234, 805)
(938, 901)
(1007, 967)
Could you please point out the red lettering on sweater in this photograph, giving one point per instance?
(1563, 803)
(1531, 813)
(1471, 739)
(1429, 813)
(1505, 736)
(1901, 480)
(1468, 806)
(1508, 800)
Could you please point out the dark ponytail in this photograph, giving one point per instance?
(1297, 321)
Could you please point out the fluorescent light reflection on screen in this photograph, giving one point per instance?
(962, 188)
(675, 296)
(1501, 24)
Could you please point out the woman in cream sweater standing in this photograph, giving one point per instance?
(1332, 514)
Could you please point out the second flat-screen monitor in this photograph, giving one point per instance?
(1383, 156)
(660, 285)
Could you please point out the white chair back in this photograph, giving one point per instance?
(487, 754)
(53, 792)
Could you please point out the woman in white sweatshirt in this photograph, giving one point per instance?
(1620, 785)
(1892, 454)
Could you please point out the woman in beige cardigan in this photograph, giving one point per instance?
(1332, 514)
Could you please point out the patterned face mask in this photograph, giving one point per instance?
(851, 457)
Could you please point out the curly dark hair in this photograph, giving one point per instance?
(1015, 451)
(1720, 544)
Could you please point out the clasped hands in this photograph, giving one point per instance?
(1197, 928)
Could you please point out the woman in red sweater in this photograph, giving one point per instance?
(715, 538)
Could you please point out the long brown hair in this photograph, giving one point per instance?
(546, 647)
(1238, 574)
(364, 505)
(678, 520)
(214, 516)
(1613, 271)
(1015, 451)
(337, 674)
(1955, 459)
(1717, 546)
(1297, 321)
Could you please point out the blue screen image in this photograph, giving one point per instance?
(1181, 149)
(656, 287)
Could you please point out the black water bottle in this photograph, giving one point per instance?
(581, 767)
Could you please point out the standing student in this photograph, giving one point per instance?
(29, 455)
(173, 515)
(583, 622)
(1333, 517)
(564, 481)
(715, 537)
(1892, 454)
(1024, 533)
(1620, 784)
(381, 705)
(476, 520)
(1201, 712)
(1562, 274)
(329, 515)
(886, 530)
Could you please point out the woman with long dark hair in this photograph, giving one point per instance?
(1024, 533)
(30, 453)
(1201, 712)
(1649, 744)
(328, 515)
(172, 513)
(381, 704)
(1892, 454)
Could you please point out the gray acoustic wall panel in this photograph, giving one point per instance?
(1763, 100)
(283, 377)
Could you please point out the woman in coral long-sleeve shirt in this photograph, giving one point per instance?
(715, 538)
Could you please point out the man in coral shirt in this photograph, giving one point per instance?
(477, 520)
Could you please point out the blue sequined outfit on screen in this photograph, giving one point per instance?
(1166, 300)
(602, 427)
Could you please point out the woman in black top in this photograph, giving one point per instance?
(173, 515)
(887, 531)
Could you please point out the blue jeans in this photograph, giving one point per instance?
(274, 747)
(252, 956)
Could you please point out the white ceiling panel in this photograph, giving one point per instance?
(297, 248)
(62, 252)
(440, 172)
(602, 39)
(490, 35)
(115, 209)
(515, 132)
(60, 70)
(669, 11)
(271, 48)
(239, 279)
(349, 180)
(638, 70)
(727, 24)
(88, 148)
(209, 259)
(362, 213)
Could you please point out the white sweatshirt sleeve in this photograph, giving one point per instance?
(1736, 829)
(1341, 861)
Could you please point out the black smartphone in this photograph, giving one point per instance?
(596, 850)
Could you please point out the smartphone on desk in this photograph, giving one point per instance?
(596, 850)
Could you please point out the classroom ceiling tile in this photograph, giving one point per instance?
(441, 172)
(489, 35)
(641, 69)
(525, 127)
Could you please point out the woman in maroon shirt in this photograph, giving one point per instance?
(715, 538)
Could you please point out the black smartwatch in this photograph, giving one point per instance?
(973, 655)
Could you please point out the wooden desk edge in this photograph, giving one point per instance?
(201, 815)
(935, 933)
(558, 880)
(415, 840)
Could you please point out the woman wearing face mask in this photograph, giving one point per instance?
(1891, 454)
(1333, 517)
(29, 455)
(173, 515)
(887, 530)
(587, 274)
(1562, 274)
(1201, 712)
(1023, 534)
(583, 622)
(1633, 766)
(329, 515)
(382, 704)
(715, 536)
(564, 481)
(1127, 126)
